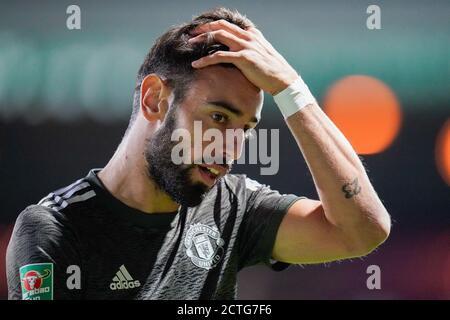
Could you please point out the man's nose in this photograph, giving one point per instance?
(234, 143)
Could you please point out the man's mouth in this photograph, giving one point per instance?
(210, 173)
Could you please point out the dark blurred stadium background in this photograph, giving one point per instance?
(65, 99)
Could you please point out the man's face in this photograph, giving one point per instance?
(220, 98)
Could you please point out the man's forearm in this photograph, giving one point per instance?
(348, 198)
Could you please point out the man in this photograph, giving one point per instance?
(144, 227)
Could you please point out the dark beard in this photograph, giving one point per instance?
(171, 178)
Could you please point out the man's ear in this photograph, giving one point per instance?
(154, 98)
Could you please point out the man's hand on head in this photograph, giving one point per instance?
(249, 51)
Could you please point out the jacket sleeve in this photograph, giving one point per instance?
(41, 255)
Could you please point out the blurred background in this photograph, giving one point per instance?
(66, 96)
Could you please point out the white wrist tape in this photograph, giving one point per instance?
(294, 98)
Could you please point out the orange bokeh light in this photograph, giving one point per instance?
(366, 110)
(443, 152)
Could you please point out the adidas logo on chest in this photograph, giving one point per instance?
(123, 280)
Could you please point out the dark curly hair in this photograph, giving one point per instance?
(171, 55)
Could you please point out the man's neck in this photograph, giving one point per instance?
(126, 179)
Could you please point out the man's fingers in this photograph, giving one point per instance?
(254, 31)
(222, 25)
(222, 36)
(216, 58)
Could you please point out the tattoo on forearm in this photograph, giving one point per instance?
(351, 189)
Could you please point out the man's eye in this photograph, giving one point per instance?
(218, 117)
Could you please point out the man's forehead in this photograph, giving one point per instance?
(227, 83)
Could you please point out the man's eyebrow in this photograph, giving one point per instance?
(231, 108)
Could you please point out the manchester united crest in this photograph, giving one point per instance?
(204, 246)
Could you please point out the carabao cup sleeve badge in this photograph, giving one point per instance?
(37, 281)
(204, 246)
